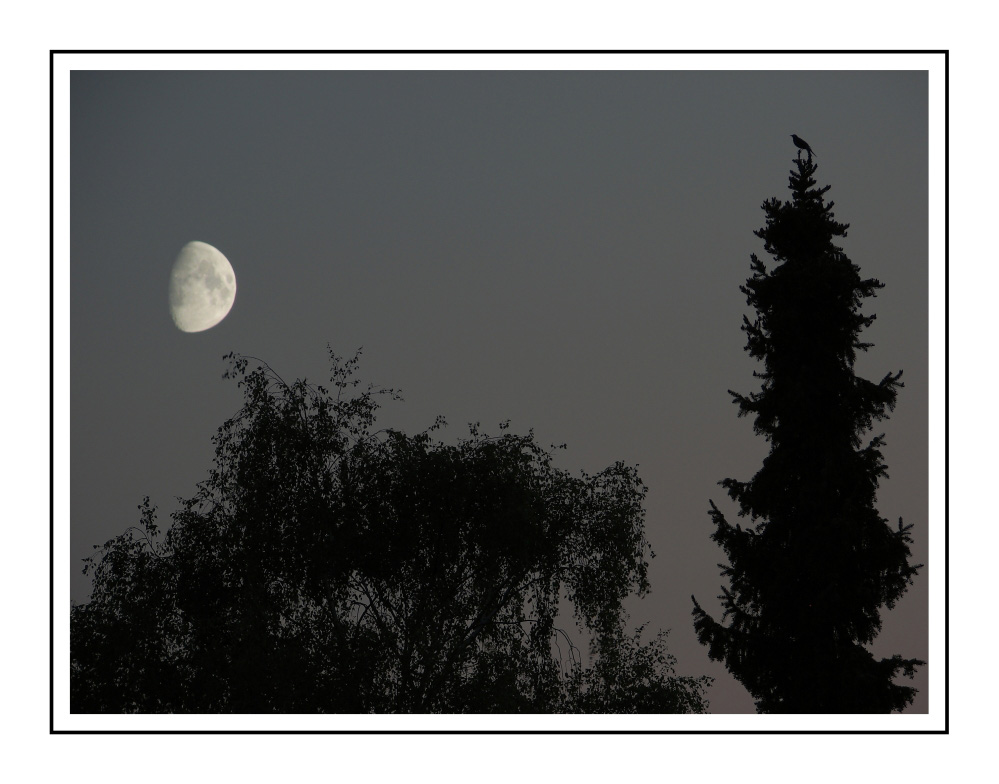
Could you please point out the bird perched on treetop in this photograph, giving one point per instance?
(801, 144)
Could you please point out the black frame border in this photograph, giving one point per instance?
(946, 56)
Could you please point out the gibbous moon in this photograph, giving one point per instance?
(202, 287)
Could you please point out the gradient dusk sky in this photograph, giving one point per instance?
(562, 249)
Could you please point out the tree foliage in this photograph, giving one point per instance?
(809, 577)
(324, 566)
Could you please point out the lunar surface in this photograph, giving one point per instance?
(202, 287)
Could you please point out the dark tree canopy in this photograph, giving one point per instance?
(326, 567)
(811, 573)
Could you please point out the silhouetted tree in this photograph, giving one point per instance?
(324, 567)
(811, 574)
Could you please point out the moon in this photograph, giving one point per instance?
(202, 287)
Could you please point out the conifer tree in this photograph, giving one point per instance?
(812, 571)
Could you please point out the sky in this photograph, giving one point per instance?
(563, 250)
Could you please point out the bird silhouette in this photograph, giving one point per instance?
(801, 144)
